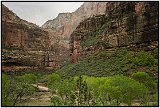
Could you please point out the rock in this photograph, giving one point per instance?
(24, 43)
(70, 36)
(65, 23)
(124, 24)
(41, 88)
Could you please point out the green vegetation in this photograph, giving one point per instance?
(92, 39)
(155, 53)
(107, 63)
(107, 78)
(98, 91)
(5, 90)
(118, 87)
(15, 89)
(143, 59)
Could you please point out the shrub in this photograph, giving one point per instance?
(141, 76)
(56, 101)
(156, 53)
(144, 78)
(6, 100)
(125, 89)
(121, 88)
(143, 59)
(27, 78)
(53, 81)
(13, 90)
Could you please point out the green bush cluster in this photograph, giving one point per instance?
(15, 88)
(143, 59)
(6, 101)
(156, 53)
(146, 79)
(97, 91)
(104, 63)
(149, 82)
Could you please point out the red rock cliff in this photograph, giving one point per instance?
(24, 43)
(65, 23)
(125, 24)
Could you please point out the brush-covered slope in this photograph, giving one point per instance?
(117, 61)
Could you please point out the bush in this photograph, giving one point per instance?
(141, 76)
(27, 78)
(143, 59)
(156, 53)
(121, 88)
(125, 89)
(6, 100)
(56, 101)
(144, 78)
(13, 90)
(107, 63)
(53, 81)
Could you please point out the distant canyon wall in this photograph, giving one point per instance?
(65, 23)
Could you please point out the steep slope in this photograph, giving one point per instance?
(24, 44)
(113, 62)
(65, 23)
(125, 24)
(97, 41)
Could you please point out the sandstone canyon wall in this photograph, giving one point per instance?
(124, 24)
(65, 23)
(24, 44)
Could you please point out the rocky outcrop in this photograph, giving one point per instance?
(124, 24)
(24, 44)
(65, 23)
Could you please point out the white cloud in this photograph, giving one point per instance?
(40, 12)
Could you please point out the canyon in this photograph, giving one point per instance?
(125, 24)
(71, 36)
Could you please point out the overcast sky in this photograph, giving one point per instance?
(40, 12)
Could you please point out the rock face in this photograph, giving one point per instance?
(24, 44)
(92, 27)
(65, 23)
(124, 24)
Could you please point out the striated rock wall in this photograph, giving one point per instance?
(24, 44)
(124, 24)
(65, 23)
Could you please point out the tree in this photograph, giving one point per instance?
(125, 89)
(95, 84)
(120, 88)
(144, 78)
(148, 81)
(72, 91)
(22, 87)
(56, 101)
(6, 100)
(14, 90)
(54, 81)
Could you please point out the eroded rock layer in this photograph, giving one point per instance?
(24, 45)
(65, 23)
(124, 24)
